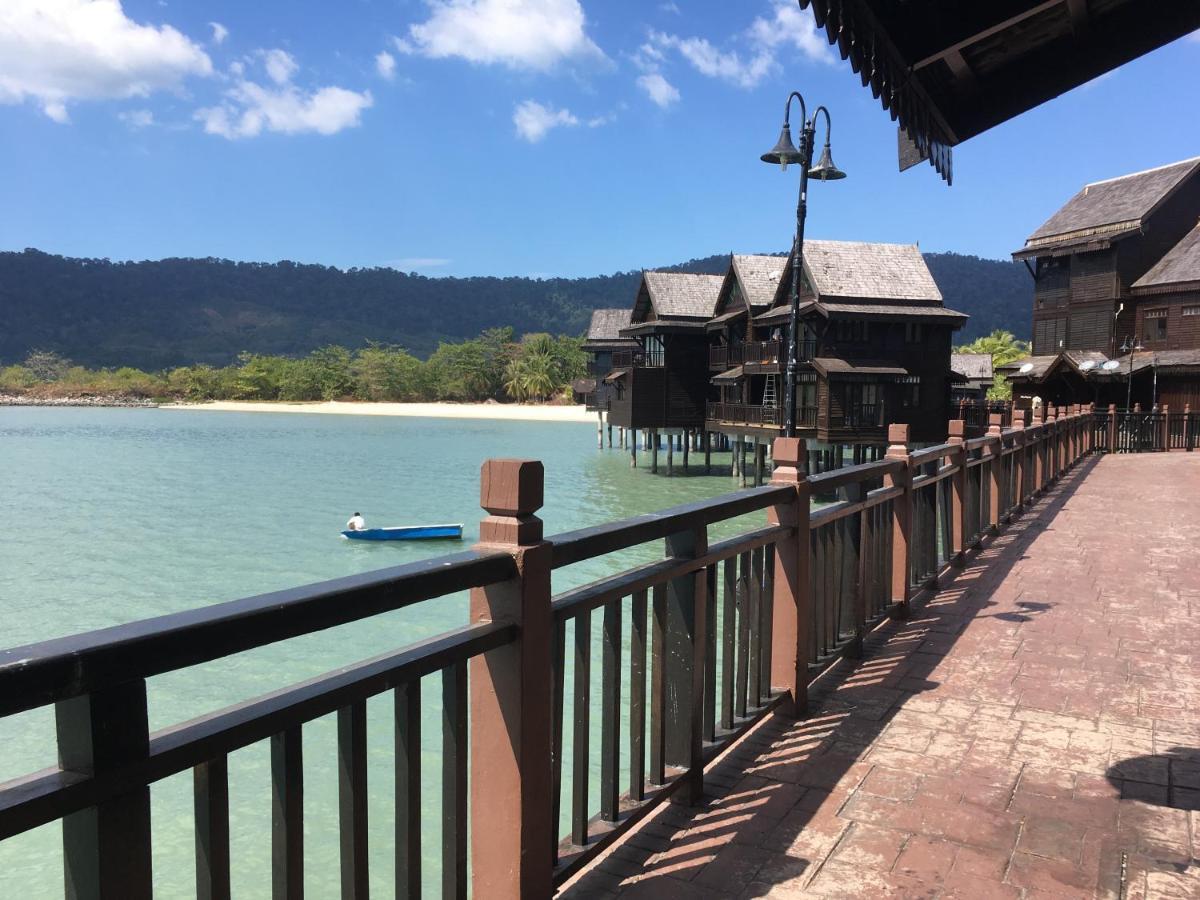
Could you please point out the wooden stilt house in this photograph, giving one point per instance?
(603, 339)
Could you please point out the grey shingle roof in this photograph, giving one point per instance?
(903, 310)
(1163, 359)
(1179, 266)
(976, 366)
(1110, 207)
(677, 294)
(759, 276)
(606, 324)
(864, 271)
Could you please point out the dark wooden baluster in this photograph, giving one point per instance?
(580, 751)
(407, 719)
(352, 799)
(556, 726)
(287, 815)
(743, 635)
(658, 687)
(754, 611)
(766, 610)
(710, 654)
(728, 636)
(610, 724)
(815, 593)
(637, 698)
(210, 789)
(454, 780)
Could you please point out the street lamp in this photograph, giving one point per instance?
(783, 154)
(1128, 346)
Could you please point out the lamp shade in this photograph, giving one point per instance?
(784, 152)
(825, 170)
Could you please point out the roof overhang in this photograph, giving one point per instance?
(666, 326)
(832, 366)
(730, 376)
(615, 375)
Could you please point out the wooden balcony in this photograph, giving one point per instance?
(759, 416)
(864, 416)
(761, 356)
(639, 359)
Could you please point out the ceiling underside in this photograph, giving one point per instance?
(947, 70)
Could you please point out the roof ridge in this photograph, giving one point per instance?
(1194, 159)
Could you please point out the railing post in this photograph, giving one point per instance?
(106, 848)
(790, 603)
(902, 510)
(1055, 443)
(1187, 427)
(1018, 423)
(958, 493)
(685, 642)
(995, 464)
(1112, 428)
(1166, 427)
(512, 834)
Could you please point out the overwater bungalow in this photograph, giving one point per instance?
(874, 346)
(660, 384)
(1117, 278)
(602, 340)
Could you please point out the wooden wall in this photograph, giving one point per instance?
(1183, 332)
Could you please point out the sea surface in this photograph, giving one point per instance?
(114, 515)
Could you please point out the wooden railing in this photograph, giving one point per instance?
(1134, 431)
(628, 359)
(757, 353)
(750, 414)
(720, 633)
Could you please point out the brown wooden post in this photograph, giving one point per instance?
(958, 493)
(995, 449)
(512, 835)
(1187, 427)
(1018, 423)
(684, 648)
(1166, 427)
(654, 452)
(790, 603)
(901, 516)
(106, 848)
(1112, 428)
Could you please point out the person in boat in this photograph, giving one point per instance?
(356, 523)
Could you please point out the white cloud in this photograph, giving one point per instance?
(137, 118)
(786, 27)
(219, 32)
(250, 108)
(280, 65)
(520, 34)
(669, 7)
(658, 89)
(56, 52)
(533, 120)
(385, 65)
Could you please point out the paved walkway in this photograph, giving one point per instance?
(1032, 732)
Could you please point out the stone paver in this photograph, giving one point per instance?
(1031, 732)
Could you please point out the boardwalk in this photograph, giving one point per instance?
(1032, 732)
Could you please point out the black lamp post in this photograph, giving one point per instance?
(784, 154)
(1130, 347)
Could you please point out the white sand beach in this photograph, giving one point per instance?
(498, 411)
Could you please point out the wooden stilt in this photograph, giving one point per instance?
(708, 453)
(670, 454)
(758, 462)
(600, 428)
(608, 425)
(632, 448)
(653, 452)
(687, 447)
(742, 445)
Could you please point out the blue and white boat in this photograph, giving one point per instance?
(408, 533)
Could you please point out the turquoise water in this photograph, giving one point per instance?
(111, 515)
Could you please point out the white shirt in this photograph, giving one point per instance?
(356, 523)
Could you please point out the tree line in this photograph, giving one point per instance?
(493, 366)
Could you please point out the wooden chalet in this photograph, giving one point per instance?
(1118, 266)
(949, 71)
(971, 376)
(874, 346)
(603, 339)
(660, 382)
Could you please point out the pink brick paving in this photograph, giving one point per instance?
(1033, 731)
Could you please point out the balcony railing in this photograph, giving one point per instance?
(867, 415)
(757, 353)
(748, 414)
(639, 359)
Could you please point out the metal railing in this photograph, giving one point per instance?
(1134, 431)
(720, 633)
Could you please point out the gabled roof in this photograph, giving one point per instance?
(857, 270)
(1178, 269)
(677, 295)
(975, 366)
(759, 276)
(1043, 366)
(1108, 210)
(606, 324)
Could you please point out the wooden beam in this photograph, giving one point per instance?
(967, 40)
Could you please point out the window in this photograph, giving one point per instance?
(655, 353)
(853, 331)
(910, 392)
(914, 332)
(1191, 310)
(1154, 325)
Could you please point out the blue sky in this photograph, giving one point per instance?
(507, 137)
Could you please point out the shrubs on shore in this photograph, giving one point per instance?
(493, 366)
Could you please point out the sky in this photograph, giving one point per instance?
(504, 137)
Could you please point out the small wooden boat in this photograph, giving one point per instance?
(408, 533)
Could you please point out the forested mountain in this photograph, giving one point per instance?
(171, 312)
